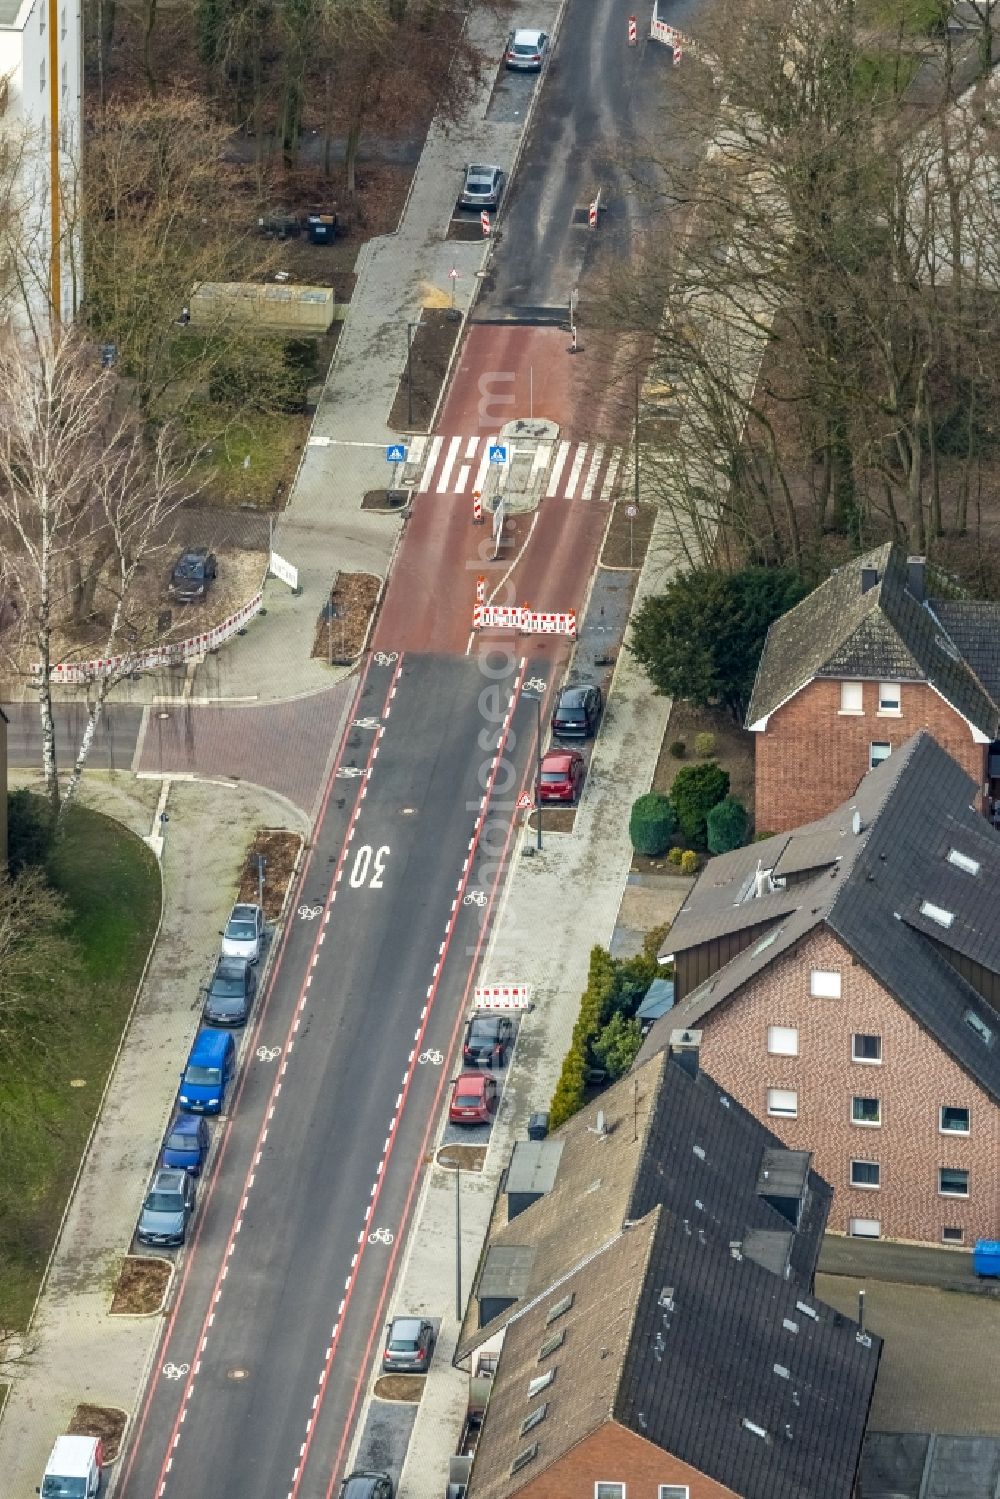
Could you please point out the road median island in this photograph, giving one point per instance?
(429, 360)
(343, 622)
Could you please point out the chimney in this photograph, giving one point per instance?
(684, 1047)
(915, 567)
(869, 577)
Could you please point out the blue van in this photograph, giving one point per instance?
(208, 1072)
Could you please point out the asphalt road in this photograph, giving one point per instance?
(279, 1312)
(599, 96)
(114, 743)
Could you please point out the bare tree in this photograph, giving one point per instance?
(31, 914)
(85, 505)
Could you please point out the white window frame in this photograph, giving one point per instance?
(855, 1233)
(673, 1491)
(962, 1195)
(847, 693)
(825, 983)
(962, 1108)
(609, 1483)
(956, 1231)
(891, 706)
(41, 75)
(873, 759)
(791, 1112)
(866, 1186)
(783, 1032)
(866, 1123)
(866, 1061)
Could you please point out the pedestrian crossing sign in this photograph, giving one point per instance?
(395, 453)
(498, 453)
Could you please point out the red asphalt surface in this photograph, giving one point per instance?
(503, 373)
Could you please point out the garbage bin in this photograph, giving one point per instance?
(538, 1128)
(322, 228)
(986, 1257)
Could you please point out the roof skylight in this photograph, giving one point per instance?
(962, 861)
(936, 913)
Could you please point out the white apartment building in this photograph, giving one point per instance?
(41, 91)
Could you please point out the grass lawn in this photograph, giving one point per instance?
(271, 441)
(111, 884)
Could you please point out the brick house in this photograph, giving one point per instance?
(648, 1280)
(845, 978)
(851, 672)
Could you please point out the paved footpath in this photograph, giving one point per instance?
(80, 1352)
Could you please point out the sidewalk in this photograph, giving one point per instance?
(553, 955)
(81, 1353)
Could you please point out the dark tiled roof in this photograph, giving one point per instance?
(884, 633)
(974, 626)
(914, 809)
(675, 1326)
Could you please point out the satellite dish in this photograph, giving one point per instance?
(855, 822)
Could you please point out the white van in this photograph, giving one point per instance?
(73, 1471)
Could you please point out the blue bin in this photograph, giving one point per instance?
(986, 1257)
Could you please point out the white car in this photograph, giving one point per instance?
(526, 50)
(73, 1469)
(244, 933)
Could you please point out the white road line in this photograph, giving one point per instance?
(462, 479)
(608, 487)
(540, 462)
(484, 464)
(562, 453)
(470, 449)
(448, 465)
(429, 466)
(574, 473)
(416, 450)
(591, 479)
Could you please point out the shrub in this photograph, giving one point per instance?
(678, 749)
(675, 856)
(696, 790)
(726, 826)
(605, 1030)
(689, 862)
(651, 824)
(617, 1045)
(654, 940)
(30, 827)
(704, 745)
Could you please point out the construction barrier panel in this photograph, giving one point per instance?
(526, 621)
(503, 997)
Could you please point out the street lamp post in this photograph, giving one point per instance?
(536, 699)
(409, 370)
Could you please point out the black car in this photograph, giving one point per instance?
(577, 712)
(482, 188)
(231, 992)
(367, 1486)
(408, 1347)
(487, 1041)
(191, 575)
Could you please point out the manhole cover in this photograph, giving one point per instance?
(238, 1373)
(409, 811)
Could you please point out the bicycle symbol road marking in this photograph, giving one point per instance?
(349, 772)
(366, 723)
(536, 684)
(380, 1236)
(268, 1053)
(385, 658)
(474, 898)
(175, 1371)
(309, 913)
(434, 1057)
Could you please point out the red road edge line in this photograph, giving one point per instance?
(220, 1154)
(431, 1122)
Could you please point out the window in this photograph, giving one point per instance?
(824, 984)
(888, 698)
(850, 698)
(524, 1458)
(41, 17)
(980, 1027)
(540, 1382)
(866, 1174)
(65, 83)
(62, 23)
(953, 1182)
(535, 1419)
(41, 76)
(877, 753)
(866, 1110)
(865, 1048)
(551, 1344)
(559, 1308)
(952, 1235)
(865, 1228)
(674, 1491)
(954, 1121)
(605, 1490)
(936, 913)
(783, 1040)
(784, 1102)
(962, 861)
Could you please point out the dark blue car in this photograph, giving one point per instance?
(186, 1144)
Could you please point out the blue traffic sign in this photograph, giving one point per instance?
(498, 453)
(395, 453)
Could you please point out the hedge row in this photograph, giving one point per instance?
(601, 984)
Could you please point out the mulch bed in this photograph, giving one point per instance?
(554, 820)
(102, 1421)
(407, 1387)
(434, 339)
(462, 1157)
(339, 641)
(142, 1285)
(622, 549)
(465, 230)
(379, 501)
(280, 849)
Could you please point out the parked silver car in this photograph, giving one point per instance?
(526, 50)
(167, 1209)
(243, 936)
(483, 187)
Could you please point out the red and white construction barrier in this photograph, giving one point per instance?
(477, 506)
(594, 210)
(678, 54)
(484, 219)
(503, 997)
(172, 653)
(480, 590)
(525, 620)
(633, 31)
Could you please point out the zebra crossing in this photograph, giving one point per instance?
(568, 470)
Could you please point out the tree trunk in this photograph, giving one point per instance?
(937, 529)
(86, 740)
(106, 17)
(327, 121)
(147, 48)
(353, 141)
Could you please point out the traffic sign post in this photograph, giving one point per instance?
(395, 453)
(484, 219)
(631, 511)
(633, 31)
(453, 277)
(498, 452)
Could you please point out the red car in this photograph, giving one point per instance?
(561, 777)
(474, 1099)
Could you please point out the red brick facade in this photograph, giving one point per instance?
(914, 1079)
(613, 1454)
(811, 756)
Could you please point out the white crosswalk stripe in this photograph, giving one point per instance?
(567, 470)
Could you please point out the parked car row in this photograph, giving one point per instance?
(576, 715)
(169, 1204)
